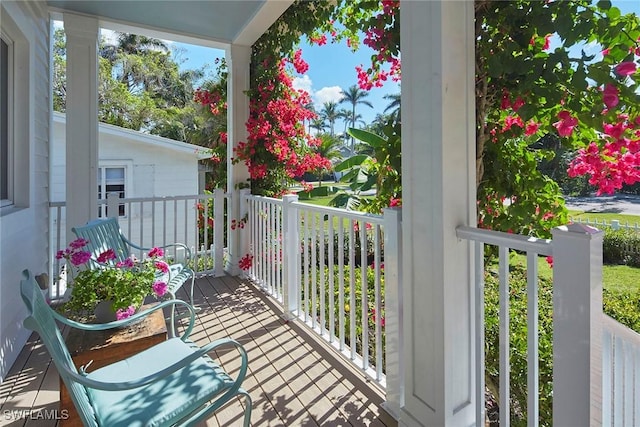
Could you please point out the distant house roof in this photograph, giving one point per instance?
(144, 138)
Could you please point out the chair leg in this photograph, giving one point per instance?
(172, 318)
(196, 308)
(247, 408)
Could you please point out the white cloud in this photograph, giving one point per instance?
(303, 83)
(328, 94)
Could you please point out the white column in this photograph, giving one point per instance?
(82, 120)
(238, 60)
(438, 181)
(393, 310)
(577, 325)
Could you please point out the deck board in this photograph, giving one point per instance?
(293, 379)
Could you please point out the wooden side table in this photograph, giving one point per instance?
(109, 346)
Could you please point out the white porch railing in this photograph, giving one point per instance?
(532, 247)
(596, 359)
(327, 267)
(620, 375)
(198, 221)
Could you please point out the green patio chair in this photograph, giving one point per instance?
(171, 383)
(104, 234)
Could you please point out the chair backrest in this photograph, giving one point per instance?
(104, 234)
(41, 320)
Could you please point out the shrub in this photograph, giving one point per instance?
(623, 306)
(621, 247)
(518, 342)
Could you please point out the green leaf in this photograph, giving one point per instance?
(350, 162)
(367, 137)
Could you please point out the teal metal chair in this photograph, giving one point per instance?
(104, 234)
(172, 383)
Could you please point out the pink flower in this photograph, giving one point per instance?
(531, 128)
(79, 258)
(156, 252)
(625, 68)
(605, 52)
(547, 42)
(124, 313)
(610, 95)
(107, 255)
(566, 123)
(78, 243)
(246, 262)
(550, 261)
(159, 288)
(162, 266)
(127, 263)
(395, 202)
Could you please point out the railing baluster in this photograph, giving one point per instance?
(480, 333)
(331, 263)
(341, 310)
(323, 314)
(352, 289)
(364, 293)
(314, 286)
(505, 369)
(377, 301)
(533, 407)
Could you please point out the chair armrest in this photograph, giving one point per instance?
(129, 320)
(139, 382)
(187, 251)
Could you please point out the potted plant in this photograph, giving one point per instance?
(110, 290)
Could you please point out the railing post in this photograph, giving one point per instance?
(113, 200)
(577, 325)
(244, 233)
(218, 232)
(393, 310)
(291, 256)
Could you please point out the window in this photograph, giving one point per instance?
(111, 179)
(6, 178)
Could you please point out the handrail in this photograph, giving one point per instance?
(500, 238)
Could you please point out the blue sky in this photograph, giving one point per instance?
(331, 70)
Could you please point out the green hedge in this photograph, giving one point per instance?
(622, 304)
(621, 247)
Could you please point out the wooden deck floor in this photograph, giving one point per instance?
(293, 379)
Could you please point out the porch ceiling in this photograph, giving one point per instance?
(222, 21)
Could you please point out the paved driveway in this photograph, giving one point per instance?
(619, 203)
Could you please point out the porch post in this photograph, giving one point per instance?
(439, 193)
(82, 120)
(577, 325)
(393, 310)
(238, 60)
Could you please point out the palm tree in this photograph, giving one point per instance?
(317, 124)
(354, 96)
(393, 108)
(329, 148)
(310, 107)
(330, 113)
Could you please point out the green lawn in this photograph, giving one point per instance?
(597, 216)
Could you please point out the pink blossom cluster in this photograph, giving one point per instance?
(246, 262)
(614, 163)
(74, 252)
(275, 127)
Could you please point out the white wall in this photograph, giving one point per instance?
(24, 227)
(155, 167)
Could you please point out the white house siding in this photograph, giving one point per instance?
(23, 226)
(154, 167)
